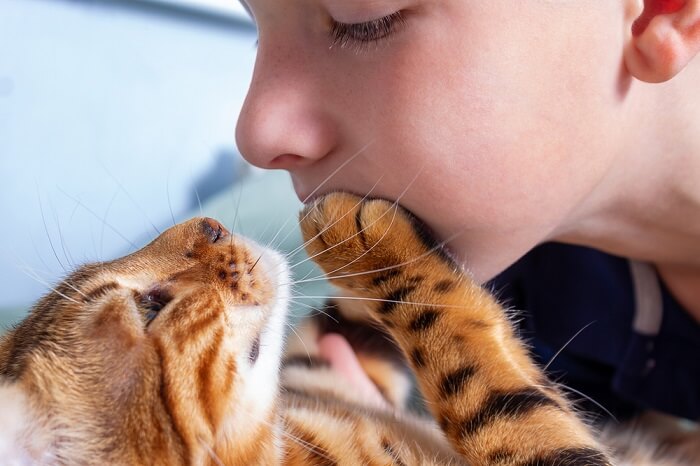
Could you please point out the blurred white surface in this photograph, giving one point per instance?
(109, 116)
(232, 8)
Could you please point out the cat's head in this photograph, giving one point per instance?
(170, 351)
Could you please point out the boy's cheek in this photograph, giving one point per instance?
(488, 120)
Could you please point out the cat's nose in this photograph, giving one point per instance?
(214, 230)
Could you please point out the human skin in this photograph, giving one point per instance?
(501, 124)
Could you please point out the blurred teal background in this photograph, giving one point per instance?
(116, 119)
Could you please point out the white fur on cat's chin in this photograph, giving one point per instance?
(261, 384)
(15, 427)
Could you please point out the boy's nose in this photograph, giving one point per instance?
(283, 123)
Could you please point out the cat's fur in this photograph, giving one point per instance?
(174, 355)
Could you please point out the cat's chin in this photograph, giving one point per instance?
(22, 442)
(258, 398)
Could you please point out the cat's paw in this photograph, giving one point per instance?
(360, 242)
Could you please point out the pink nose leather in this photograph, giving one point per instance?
(214, 229)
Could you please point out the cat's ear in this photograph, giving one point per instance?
(15, 426)
(663, 39)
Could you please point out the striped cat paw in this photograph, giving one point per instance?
(361, 242)
(491, 401)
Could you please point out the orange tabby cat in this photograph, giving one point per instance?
(173, 356)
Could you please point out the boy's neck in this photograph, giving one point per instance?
(648, 207)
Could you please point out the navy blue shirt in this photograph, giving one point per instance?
(636, 347)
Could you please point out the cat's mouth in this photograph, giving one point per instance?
(265, 348)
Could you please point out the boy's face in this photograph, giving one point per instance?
(504, 113)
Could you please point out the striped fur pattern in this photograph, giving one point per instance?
(174, 356)
(493, 405)
(169, 356)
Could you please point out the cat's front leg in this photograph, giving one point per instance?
(494, 405)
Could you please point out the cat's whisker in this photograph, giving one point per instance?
(307, 274)
(121, 187)
(354, 235)
(26, 269)
(131, 243)
(212, 454)
(367, 272)
(238, 207)
(581, 394)
(104, 220)
(256, 262)
(48, 235)
(271, 243)
(301, 340)
(24, 264)
(316, 450)
(380, 300)
(314, 309)
(318, 278)
(36, 251)
(167, 193)
(308, 306)
(72, 287)
(199, 202)
(73, 212)
(386, 232)
(263, 233)
(49, 287)
(320, 185)
(35, 272)
(66, 254)
(304, 244)
(395, 205)
(335, 172)
(567, 344)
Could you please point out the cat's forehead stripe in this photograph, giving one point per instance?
(101, 290)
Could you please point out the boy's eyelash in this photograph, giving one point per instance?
(361, 34)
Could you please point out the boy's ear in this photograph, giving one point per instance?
(664, 39)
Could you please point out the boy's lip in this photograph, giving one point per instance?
(307, 197)
(304, 195)
(307, 193)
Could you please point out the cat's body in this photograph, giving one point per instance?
(174, 355)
